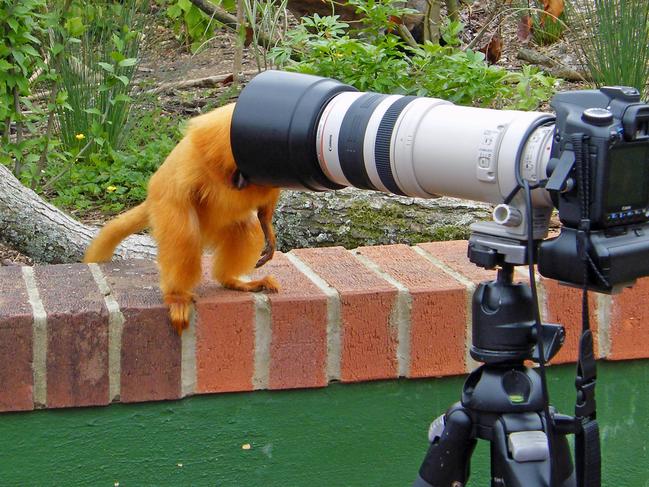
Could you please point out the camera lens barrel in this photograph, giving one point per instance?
(301, 131)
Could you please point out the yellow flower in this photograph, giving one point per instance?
(111, 189)
(80, 136)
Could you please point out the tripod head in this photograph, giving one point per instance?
(504, 328)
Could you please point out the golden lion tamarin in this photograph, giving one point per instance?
(198, 199)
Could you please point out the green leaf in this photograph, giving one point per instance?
(56, 49)
(117, 56)
(93, 111)
(19, 57)
(229, 5)
(13, 23)
(119, 43)
(107, 67)
(127, 62)
(31, 38)
(75, 26)
(185, 5)
(29, 50)
(31, 158)
(61, 97)
(174, 11)
(123, 79)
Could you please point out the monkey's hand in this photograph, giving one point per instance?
(266, 254)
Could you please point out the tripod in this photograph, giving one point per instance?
(502, 400)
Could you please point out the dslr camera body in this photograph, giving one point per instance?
(599, 181)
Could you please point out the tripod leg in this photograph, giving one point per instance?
(447, 461)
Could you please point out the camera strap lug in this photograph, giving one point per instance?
(563, 166)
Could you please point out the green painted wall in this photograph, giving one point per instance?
(361, 435)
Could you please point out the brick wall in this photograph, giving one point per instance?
(81, 335)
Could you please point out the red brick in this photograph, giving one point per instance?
(16, 377)
(151, 349)
(77, 336)
(368, 340)
(438, 314)
(298, 352)
(225, 338)
(629, 321)
(454, 255)
(225, 342)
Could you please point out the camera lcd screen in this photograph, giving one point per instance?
(628, 178)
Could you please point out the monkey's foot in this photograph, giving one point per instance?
(180, 311)
(266, 255)
(267, 283)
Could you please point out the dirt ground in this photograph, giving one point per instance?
(165, 60)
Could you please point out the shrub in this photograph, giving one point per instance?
(113, 180)
(21, 24)
(383, 63)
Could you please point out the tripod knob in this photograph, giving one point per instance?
(528, 446)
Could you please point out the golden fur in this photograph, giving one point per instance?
(193, 203)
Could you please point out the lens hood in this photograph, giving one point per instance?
(273, 133)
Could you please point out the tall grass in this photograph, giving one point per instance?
(96, 73)
(613, 36)
(265, 18)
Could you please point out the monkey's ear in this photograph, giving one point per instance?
(239, 181)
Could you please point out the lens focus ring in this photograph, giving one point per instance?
(382, 147)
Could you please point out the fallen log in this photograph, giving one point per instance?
(350, 218)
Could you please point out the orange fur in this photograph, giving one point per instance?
(193, 204)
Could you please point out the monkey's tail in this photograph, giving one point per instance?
(102, 247)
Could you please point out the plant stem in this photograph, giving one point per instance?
(237, 60)
(19, 131)
(40, 165)
(452, 10)
(432, 20)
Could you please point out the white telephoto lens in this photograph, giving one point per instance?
(427, 147)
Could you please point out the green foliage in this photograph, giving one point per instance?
(92, 52)
(19, 55)
(113, 180)
(21, 24)
(377, 16)
(377, 60)
(613, 36)
(95, 74)
(193, 26)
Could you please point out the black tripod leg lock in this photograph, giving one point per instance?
(452, 442)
